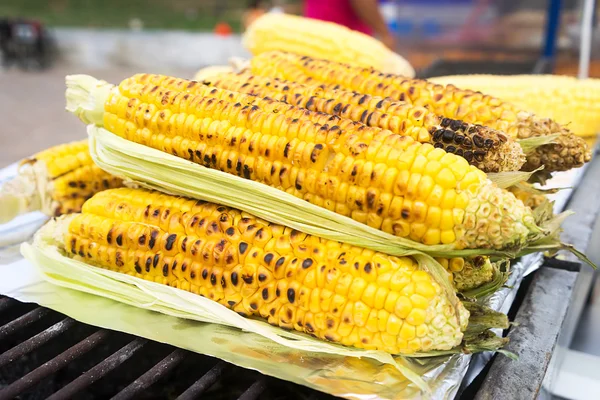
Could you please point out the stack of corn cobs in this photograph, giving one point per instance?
(406, 157)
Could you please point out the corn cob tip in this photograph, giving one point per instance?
(567, 150)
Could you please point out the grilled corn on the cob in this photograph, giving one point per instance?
(333, 291)
(487, 149)
(55, 181)
(567, 100)
(374, 176)
(322, 39)
(568, 151)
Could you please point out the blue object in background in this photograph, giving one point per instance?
(431, 28)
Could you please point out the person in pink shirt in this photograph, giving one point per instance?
(360, 15)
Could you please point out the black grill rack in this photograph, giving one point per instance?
(46, 355)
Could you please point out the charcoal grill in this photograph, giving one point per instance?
(45, 354)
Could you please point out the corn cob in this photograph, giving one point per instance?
(386, 181)
(467, 274)
(569, 101)
(55, 181)
(333, 291)
(485, 148)
(322, 39)
(566, 152)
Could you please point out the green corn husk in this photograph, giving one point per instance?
(530, 144)
(48, 255)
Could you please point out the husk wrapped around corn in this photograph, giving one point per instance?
(336, 292)
(55, 181)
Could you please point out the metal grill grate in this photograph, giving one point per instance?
(44, 354)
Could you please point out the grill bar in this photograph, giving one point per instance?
(6, 303)
(152, 375)
(23, 321)
(98, 371)
(36, 341)
(57, 363)
(204, 383)
(254, 390)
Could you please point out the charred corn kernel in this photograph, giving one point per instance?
(59, 179)
(239, 261)
(316, 38)
(502, 153)
(567, 152)
(231, 138)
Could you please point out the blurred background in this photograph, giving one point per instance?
(43, 40)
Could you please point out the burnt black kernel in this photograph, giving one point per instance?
(231, 303)
(358, 203)
(201, 223)
(437, 135)
(298, 186)
(73, 184)
(330, 338)
(170, 240)
(204, 273)
(243, 314)
(155, 260)
(73, 244)
(174, 266)
(279, 262)
(478, 141)
(238, 166)
(458, 139)
(248, 279)
(363, 116)
(229, 164)
(246, 172)
(183, 267)
(152, 241)
(220, 246)
(356, 265)
(450, 149)
(337, 108)
(272, 312)
(254, 306)
(455, 125)
(467, 143)
(138, 269)
(459, 152)
(184, 244)
(291, 295)
(438, 146)
(147, 211)
(230, 231)
(330, 323)
(310, 103)
(368, 267)
(156, 213)
(105, 183)
(262, 277)
(268, 258)
(165, 269)
(277, 292)
(468, 155)
(198, 154)
(214, 226)
(405, 213)
(109, 236)
(148, 264)
(213, 279)
(488, 143)
(448, 136)
(343, 261)
(309, 328)
(346, 320)
(479, 261)
(259, 233)
(307, 263)
(479, 155)
(282, 171)
(243, 246)
(322, 268)
(354, 171)
(370, 199)
(234, 278)
(118, 259)
(286, 150)
(192, 275)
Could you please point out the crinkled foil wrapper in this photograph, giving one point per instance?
(337, 375)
